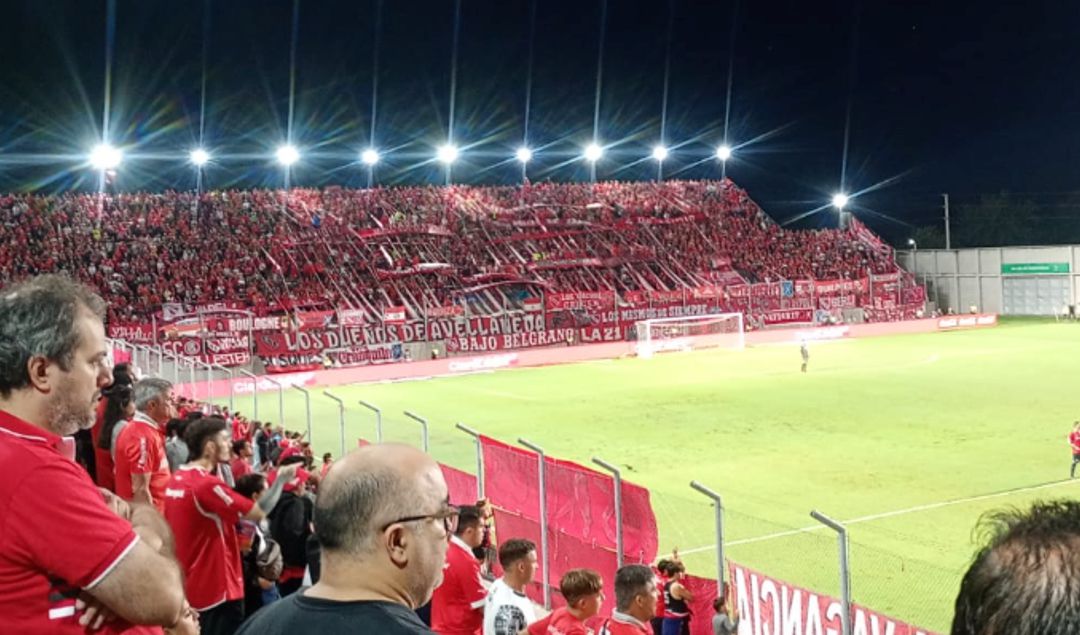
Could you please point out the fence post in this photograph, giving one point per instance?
(209, 378)
(160, 351)
(175, 366)
(543, 520)
(341, 418)
(423, 429)
(232, 391)
(479, 458)
(718, 504)
(307, 409)
(254, 393)
(378, 419)
(281, 404)
(618, 507)
(845, 572)
(191, 375)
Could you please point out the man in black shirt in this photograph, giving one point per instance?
(384, 520)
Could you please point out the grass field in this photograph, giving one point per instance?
(909, 438)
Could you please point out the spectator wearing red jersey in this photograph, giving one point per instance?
(114, 411)
(457, 608)
(203, 512)
(583, 590)
(142, 467)
(65, 555)
(635, 602)
(383, 519)
(241, 459)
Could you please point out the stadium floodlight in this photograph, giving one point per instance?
(660, 153)
(288, 155)
(524, 154)
(370, 156)
(105, 157)
(723, 152)
(593, 152)
(447, 153)
(911, 243)
(199, 157)
(840, 200)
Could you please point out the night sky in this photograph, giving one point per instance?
(959, 96)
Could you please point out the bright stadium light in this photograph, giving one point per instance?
(105, 157)
(524, 154)
(288, 155)
(199, 157)
(369, 156)
(593, 152)
(659, 153)
(840, 200)
(723, 152)
(447, 153)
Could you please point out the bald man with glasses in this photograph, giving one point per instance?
(384, 521)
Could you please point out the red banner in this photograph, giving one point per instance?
(351, 317)
(135, 333)
(394, 314)
(232, 349)
(290, 362)
(452, 310)
(484, 325)
(527, 339)
(788, 316)
(588, 300)
(768, 605)
(831, 287)
(219, 323)
(307, 320)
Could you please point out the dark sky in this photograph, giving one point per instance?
(959, 96)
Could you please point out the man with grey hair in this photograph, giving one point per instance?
(142, 465)
(68, 554)
(635, 602)
(384, 520)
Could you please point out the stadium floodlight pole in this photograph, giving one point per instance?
(378, 419)
(718, 507)
(232, 390)
(948, 225)
(341, 417)
(617, 474)
(543, 519)
(479, 458)
(307, 410)
(845, 573)
(425, 441)
(254, 393)
(281, 403)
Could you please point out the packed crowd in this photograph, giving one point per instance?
(415, 247)
(204, 521)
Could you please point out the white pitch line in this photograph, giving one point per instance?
(879, 516)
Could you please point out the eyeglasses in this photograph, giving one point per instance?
(448, 516)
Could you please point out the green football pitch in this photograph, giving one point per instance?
(907, 439)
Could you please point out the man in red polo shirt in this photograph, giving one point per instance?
(142, 467)
(203, 512)
(64, 554)
(457, 607)
(635, 602)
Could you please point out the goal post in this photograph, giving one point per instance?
(717, 330)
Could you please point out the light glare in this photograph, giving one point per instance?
(106, 157)
(659, 153)
(369, 156)
(447, 154)
(199, 157)
(524, 155)
(593, 152)
(840, 200)
(723, 152)
(288, 155)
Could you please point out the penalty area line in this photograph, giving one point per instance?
(883, 515)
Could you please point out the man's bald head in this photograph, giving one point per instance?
(371, 487)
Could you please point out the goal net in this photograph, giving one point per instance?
(719, 330)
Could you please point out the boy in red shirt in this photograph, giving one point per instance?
(635, 602)
(1074, 442)
(583, 590)
(457, 607)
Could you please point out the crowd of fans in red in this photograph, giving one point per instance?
(413, 246)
